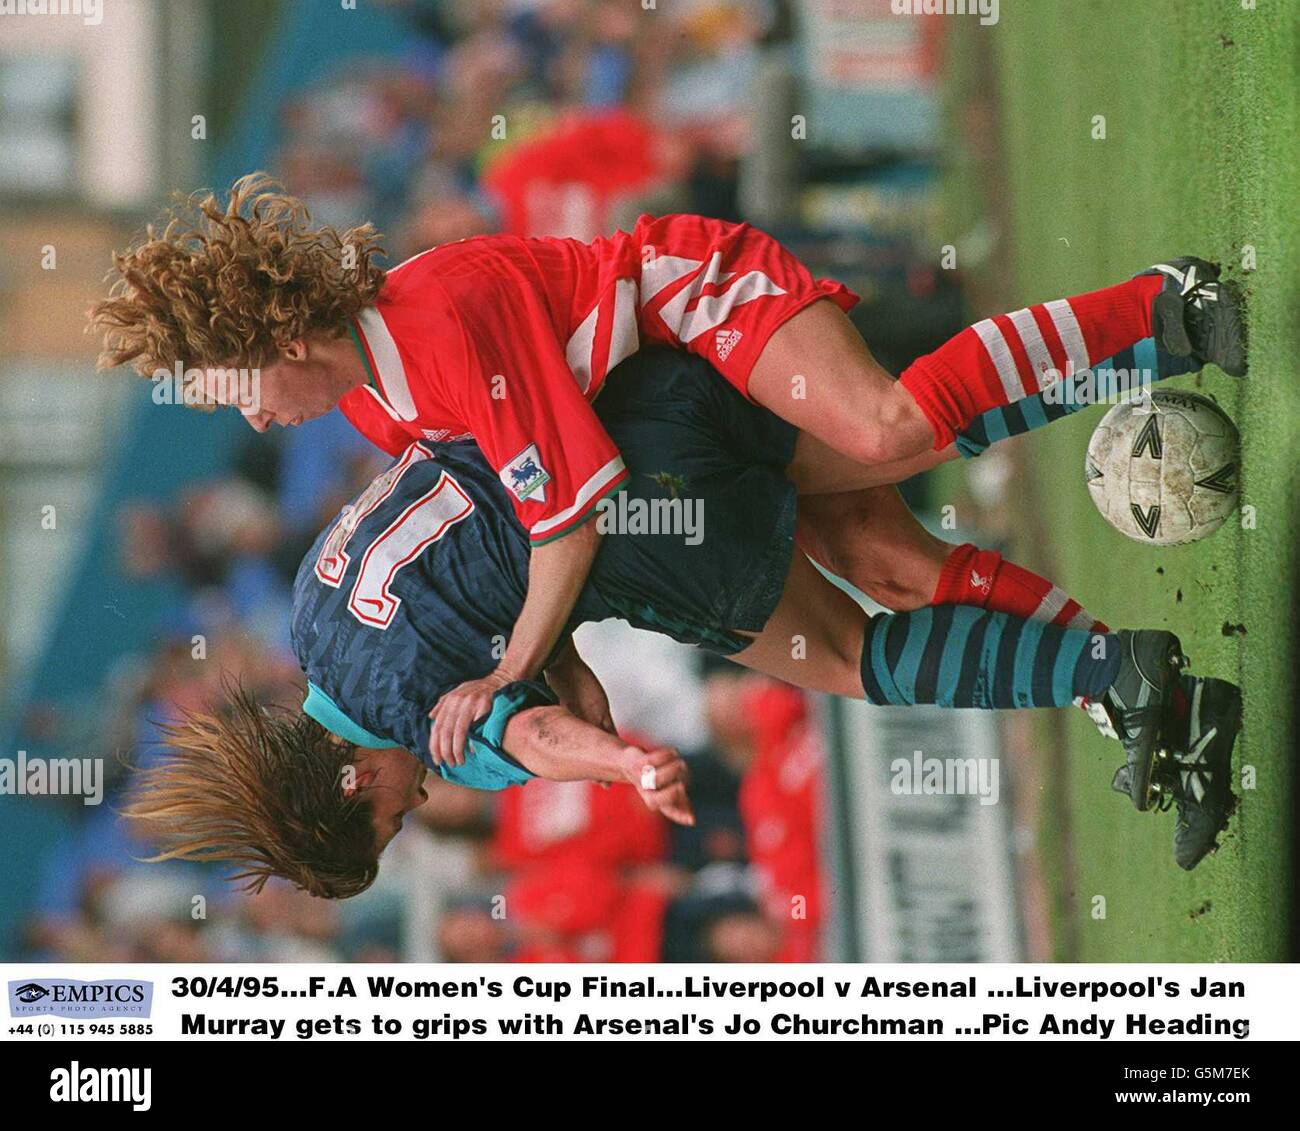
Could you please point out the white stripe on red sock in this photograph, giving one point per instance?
(1000, 354)
(1040, 359)
(1071, 335)
(1054, 600)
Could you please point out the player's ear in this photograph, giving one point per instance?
(295, 350)
(359, 781)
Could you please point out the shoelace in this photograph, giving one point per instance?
(1178, 791)
(1131, 719)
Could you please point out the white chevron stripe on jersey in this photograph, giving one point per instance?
(578, 350)
(390, 371)
(1000, 354)
(624, 341)
(660, 271)
(713, 310)
(1071, 336)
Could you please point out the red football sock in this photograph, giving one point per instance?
(972, 576)
(1001, 359)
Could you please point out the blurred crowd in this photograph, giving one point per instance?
(538, 117)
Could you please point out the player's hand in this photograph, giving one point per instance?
(580, 691)
(456, 712)
(660, 777)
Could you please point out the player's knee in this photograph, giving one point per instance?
(887, 429)
(870, 444)
(900, 574)
(910, 578)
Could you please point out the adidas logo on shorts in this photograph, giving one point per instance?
(725, 341)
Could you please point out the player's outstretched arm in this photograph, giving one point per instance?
(555, 744)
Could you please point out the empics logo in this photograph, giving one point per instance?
(67, 997)
(75, 1084)
(525, 475)
(31, 993)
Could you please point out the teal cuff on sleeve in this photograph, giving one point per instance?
(325, 711)
(488, 766)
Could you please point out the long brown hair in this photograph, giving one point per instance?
(263, 788)
(232, 284)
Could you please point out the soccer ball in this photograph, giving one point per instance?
(1162, 468)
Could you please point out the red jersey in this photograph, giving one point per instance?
(507, 340)
(567, 180)
(556, 820)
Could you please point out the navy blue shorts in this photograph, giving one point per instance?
(705, 526)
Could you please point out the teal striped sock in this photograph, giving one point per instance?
(964, 656)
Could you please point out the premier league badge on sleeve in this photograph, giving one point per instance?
(525, 476)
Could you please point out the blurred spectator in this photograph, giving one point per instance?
(536, 117)
(762, 731)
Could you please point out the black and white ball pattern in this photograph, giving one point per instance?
(1164, 468)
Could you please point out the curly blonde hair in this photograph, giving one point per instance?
(234, 283)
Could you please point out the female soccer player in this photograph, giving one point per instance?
(404, 596)
(508, 340)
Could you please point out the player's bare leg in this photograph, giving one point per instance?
(873, 540)
(817, 373)
(818, 469)
(813, 639)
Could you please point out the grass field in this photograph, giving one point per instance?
(1199, 158)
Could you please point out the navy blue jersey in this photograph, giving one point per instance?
(413, 590)
(417, 585)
